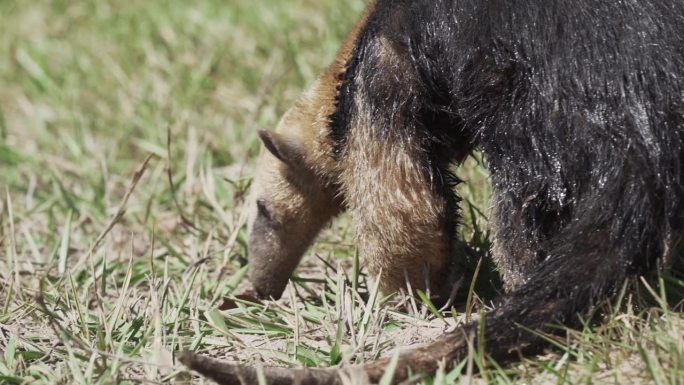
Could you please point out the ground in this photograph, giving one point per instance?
(127, 141)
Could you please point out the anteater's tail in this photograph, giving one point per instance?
(555, 294)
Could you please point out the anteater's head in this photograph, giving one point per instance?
(292, 195)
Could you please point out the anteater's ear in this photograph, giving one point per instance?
(289, 151)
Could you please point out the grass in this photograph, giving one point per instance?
(127, 139)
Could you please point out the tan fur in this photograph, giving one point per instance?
(299, 198)
(398, 219)
(303, 196)
(308, 119)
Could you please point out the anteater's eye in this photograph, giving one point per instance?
(263, 210)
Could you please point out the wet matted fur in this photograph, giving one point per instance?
(578, 108)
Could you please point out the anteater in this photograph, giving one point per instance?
(578, 108)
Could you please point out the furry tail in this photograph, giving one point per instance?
(555, 294)
(424, 359)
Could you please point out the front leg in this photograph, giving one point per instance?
(392, 172)
(403, 214)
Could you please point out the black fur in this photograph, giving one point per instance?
(578, 107)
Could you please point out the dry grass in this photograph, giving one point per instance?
(127, 134)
